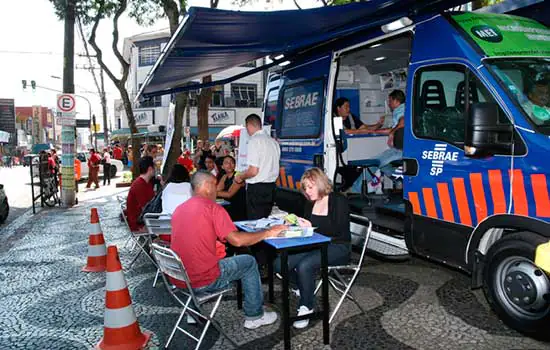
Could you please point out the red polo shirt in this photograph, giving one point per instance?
(117, 153)
(195, 240)
(140, 193)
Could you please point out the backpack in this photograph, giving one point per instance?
(153, 206)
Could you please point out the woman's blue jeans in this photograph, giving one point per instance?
(303, 268)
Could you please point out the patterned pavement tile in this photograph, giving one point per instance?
(47, 302)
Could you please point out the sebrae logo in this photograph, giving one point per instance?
(487, 33)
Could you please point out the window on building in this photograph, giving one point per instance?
(251, 64)
(217, 96)
(148, 55)
(150, 102)
(119, 123)
(244, 95)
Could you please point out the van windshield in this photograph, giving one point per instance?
(528, 82)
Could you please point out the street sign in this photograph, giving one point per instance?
(66, 103)
(66, 121)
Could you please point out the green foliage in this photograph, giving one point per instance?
(87, 10)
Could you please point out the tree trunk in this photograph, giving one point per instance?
(104, 110)
(172, 12)
(133, 129)
(205, 98)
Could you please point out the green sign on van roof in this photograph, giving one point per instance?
(505, 35)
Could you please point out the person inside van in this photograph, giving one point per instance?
(349, 121)
(396, 102)
(536, 106)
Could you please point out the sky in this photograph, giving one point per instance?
(31, 48)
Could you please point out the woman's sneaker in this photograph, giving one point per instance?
(269, 317)
(303, 310)
(296, 292)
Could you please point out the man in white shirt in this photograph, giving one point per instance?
(106, 166)
(263, 158)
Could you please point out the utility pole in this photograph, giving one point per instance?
(67, 132)
(95, 132)
(104, 109)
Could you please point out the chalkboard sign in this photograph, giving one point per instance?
(302, 107)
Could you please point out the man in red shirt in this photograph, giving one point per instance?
(186, 161)
(140, 193)
(195, 242)
(117, 152)
(93, 169)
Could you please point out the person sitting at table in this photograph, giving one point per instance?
(177, 189)
(233, 192)
(349, 121)
(197, 225)
(210, 164)
(141, 192)
(329, 213)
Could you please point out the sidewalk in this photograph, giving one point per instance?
(47, 302)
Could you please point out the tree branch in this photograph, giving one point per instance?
(125, 65)
(99, 53)
(83, 37)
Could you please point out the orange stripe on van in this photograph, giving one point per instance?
(518, 193)
(413, 198)
(478, 193)
(497, 191)
(462, 201)
(298, 185)
(283, 177)
(445, 201)
(540, 191)
(278, 181)
(429, 202)
(290, 182)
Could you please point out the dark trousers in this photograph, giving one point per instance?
(106, 174)
(303, 268)
(260, 198)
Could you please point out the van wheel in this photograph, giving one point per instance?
(517, 290)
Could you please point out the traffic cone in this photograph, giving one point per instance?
(121, 330)
(96, 246)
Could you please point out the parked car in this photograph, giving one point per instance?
(4, 206)
(116, 165)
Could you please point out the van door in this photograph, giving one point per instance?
(449, 193)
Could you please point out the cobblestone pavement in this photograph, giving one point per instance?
(48, 303)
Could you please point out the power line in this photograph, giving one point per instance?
(51, 53)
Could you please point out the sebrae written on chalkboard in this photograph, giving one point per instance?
(301, 115)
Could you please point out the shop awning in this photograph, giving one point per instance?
(210, 40)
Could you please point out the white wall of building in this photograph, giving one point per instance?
(229, 114)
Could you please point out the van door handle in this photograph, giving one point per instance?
(410, 167)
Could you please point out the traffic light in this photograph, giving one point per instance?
(24, 84)
(33, 85)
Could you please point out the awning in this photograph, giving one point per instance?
(536, 9)
(210, 40)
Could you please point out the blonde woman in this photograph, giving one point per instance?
(329, 213)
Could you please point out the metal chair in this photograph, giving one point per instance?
(342, 285)
(158, 224)
(171, 265)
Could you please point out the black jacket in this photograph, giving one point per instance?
(338, 212)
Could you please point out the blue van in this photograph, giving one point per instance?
(473, 192)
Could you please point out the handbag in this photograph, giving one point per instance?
(153, 206)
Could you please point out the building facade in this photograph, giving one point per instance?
(230, 104)
(7, 124)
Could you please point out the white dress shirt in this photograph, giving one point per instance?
(264, 153)
(175, 194)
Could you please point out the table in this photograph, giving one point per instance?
(284, 247)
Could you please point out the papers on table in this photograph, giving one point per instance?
(268, 222)
(296, 232)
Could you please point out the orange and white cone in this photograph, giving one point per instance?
(97, 253)
(121, 330)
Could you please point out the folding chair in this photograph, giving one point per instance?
(170, 265)
(158, 224)
(342, 285)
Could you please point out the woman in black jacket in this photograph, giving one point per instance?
(329, 213)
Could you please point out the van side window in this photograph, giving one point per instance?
(301, 110)
(439, 103)
(270, 114)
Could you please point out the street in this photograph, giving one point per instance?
(16, 181)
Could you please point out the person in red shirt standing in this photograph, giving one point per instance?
(140, 193)
(93, 169)
(185, 160)
(194, 240)
(117, 152)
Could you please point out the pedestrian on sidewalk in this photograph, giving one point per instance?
(93, 167)
(106, 166)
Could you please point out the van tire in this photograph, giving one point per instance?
(510, 279)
